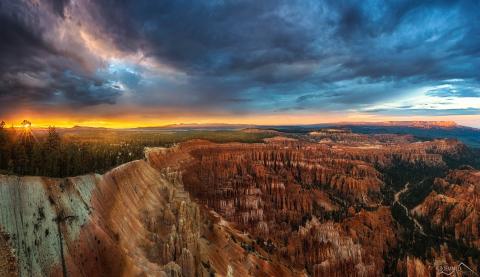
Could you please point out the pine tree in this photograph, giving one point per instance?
(52, 152)
(53, 139)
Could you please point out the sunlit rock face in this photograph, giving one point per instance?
(453, 209)
(133, 221)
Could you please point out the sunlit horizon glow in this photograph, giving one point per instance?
(270, 120)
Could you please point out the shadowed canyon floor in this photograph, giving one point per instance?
(322, 204)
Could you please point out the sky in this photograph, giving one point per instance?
(144, 63)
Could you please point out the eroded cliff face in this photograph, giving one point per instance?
(285, 207)
(133, 221)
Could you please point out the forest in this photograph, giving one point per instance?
(59, 152)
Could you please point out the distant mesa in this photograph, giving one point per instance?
(416, 124)
(425, 124)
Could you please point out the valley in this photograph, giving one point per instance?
(418, 226)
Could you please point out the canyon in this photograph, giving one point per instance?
(319, 204)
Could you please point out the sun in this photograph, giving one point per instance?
(26, 124)
(26, 135)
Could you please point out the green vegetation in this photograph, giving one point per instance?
(70, 152)
(418, 192)
(165, 138)
(402, 172)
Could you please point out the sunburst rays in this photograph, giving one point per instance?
(26, 136)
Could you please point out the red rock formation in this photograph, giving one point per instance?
(355, 247)
(414, 267)
(284, 192)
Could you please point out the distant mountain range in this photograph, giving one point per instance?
(224, 126)
(416, 124)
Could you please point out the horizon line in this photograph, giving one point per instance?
(448, 123)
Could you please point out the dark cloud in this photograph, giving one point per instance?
(271, 43)
(241, 56)
(231, 37)
(58, 6)
(205, 37)
(33, 70)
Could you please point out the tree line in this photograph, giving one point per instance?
(77, 151)
(23, 153)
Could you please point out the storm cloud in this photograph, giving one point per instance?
(235, 57)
